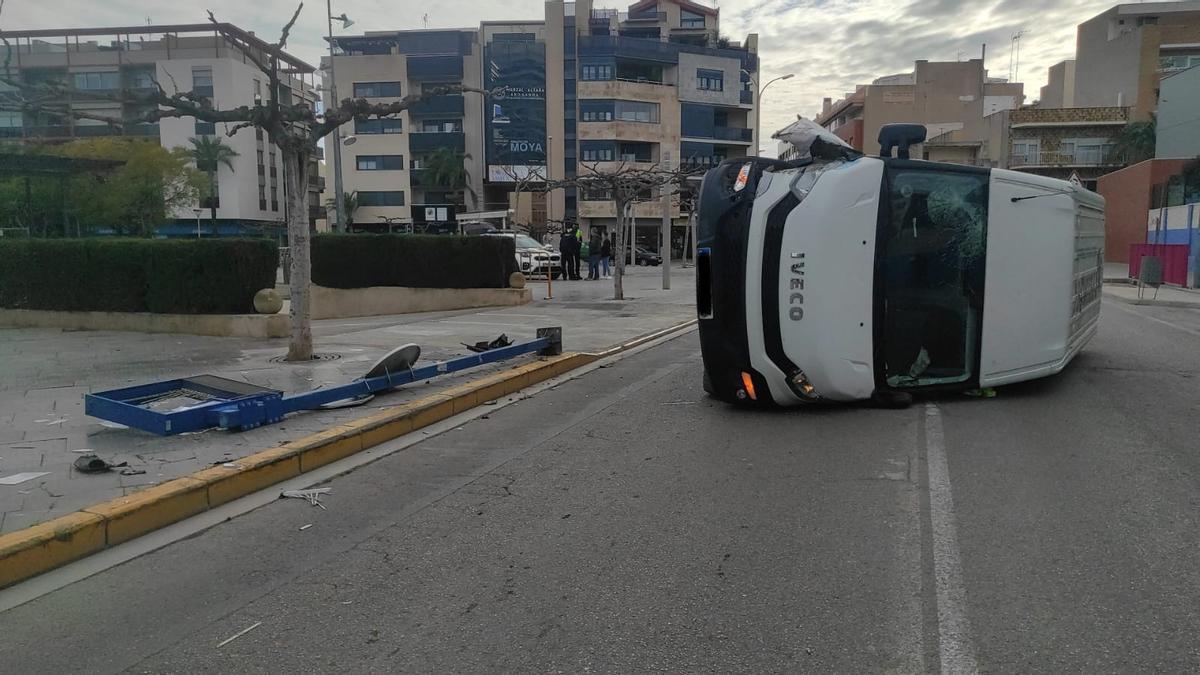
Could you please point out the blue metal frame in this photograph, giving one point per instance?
(240, 410)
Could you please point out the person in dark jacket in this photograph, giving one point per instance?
(605, 255)
(576, 248)
(594, 246)
(566, 244)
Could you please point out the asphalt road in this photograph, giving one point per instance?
(622, 522)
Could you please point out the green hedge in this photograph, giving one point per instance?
(184, 276)
(415, 261)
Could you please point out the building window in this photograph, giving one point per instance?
(381, 198)
(142, 79)
(205, 128)
(636, 111)
(596, 194)
(258, 91)
(441, 126)
(710, 80)
(274, 198)
(1025, 151)
(689, 19)
(596, 111)
(380, 162)
(94, 81)
(1090, 151)
(260, 157)
(597, 72)
(377, 126)
(202, 81)
(377, 90)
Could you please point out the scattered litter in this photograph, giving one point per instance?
(312, 496)
(347, 602)
(51, 423)
(305, 527)
(132, 472)
(85, 451)
(480, 347)
(239, 634)
(92, 464)
(231, 465)
(112, 425)
(18, 478)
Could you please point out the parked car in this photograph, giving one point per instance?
(533, 259)
(645, 257)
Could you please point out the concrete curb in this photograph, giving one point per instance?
(47, 545)
(1187, 304)
(215, 325)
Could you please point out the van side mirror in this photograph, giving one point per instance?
(901, 137)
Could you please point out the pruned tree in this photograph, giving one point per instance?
(624, 184)
(295, 128)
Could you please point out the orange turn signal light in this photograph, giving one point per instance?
(748, 384)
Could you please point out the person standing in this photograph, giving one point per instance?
(594, 246)
(566, 243)
(605, 255)
(576, 248)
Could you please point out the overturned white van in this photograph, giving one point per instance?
(840, 277)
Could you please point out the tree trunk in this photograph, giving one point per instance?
(619, 250)
(296, 181)
(212, 198)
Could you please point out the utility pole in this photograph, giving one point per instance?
(339, 205)
(758, 106)
(665, 249)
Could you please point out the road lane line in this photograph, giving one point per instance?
(1164, 322)
(954, 631)
(239, 634)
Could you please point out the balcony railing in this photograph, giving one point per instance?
(1045, 158)
(655, 50)
(647, 16)
(448, 104)
(426, 141)
(736, 134)
(746, 96)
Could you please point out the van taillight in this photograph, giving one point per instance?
(704, 283)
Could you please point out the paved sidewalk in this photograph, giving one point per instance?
(1167, 296)
(45, 373)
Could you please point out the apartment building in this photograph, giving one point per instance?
(584, 88)
(1178, 129)
(951, 98)
(1059, 91)
(95, 63)
(390, 163)
(1123, 53)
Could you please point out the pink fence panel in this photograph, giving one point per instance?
(1174, 261)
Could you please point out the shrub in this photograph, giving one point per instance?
(415, 261)
(216, 276)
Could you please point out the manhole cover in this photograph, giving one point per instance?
(316, 357)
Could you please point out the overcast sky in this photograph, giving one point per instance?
(830, 45)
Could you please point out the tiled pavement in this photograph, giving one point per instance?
(45, 373)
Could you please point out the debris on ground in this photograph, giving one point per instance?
(305, 527)
(129, 471)
(91, 463)
(312, 496)
(986, 392)
(480, 347)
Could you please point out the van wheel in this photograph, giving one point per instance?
(894, 400)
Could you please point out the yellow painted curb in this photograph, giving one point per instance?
(47, 545)
(56, 542)
(43, 547)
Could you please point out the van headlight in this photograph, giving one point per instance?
(804, 389)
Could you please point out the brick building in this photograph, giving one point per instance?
(1128, 195)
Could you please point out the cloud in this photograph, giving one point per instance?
(830, 45)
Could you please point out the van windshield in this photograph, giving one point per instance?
(932, 240)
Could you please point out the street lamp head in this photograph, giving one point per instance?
(788, 76)
(346, 22)
(350, 140)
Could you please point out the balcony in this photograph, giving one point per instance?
(1063, 159)
(316, 183)
(730, 134)
(428, 141)
(655, 50)
(746, 96)
(646, 16)
(435, 67)
(451, 105)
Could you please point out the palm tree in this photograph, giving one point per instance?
(208, 153)
(349, 206)
(448, 168)
(1135, 143)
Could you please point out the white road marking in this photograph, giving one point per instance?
(954, 630)
(239, 634)
(1164, 322)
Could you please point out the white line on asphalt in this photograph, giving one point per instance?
(954, 631)
(483, 323)
(239, 634)
(1164, 322)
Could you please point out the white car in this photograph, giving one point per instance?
(533, 259)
